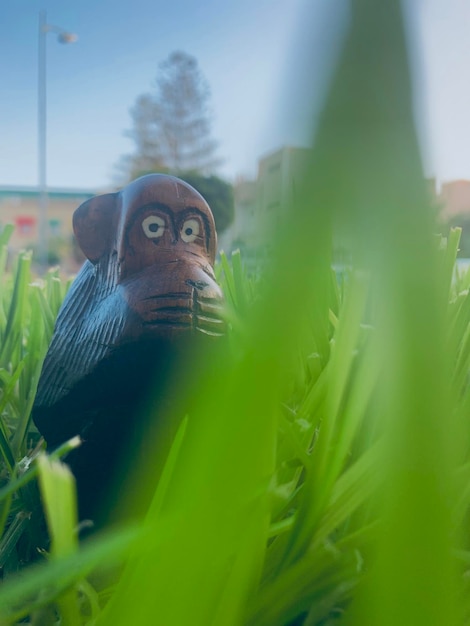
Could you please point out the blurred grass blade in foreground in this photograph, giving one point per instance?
(369, 122)
(212, 531)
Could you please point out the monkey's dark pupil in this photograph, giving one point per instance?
(188, 231)
(154, 227)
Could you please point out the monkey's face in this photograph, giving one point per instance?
(164, 222)
(162, 233)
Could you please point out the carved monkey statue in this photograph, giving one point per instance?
(145, 296)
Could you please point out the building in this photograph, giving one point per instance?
(260, 203)
(242, 232)
(20, 206)
(454, 198)
(279, 176)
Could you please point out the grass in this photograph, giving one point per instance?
(322, 475)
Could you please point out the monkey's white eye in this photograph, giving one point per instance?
(190, 231)
(153, 226)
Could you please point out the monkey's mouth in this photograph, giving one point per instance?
(185, 310)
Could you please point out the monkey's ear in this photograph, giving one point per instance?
(94, 225)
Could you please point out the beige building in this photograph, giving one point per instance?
(20, 206)
(242, 232)
(279, 175)
(259, 203)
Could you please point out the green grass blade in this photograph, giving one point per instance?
(43, 583)
(26, 476)
(5, 234)
(57, 486)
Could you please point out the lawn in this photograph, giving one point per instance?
(322, 476)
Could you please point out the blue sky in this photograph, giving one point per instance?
(248, 51)
(442, 28)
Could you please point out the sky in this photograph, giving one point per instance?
(248, 50)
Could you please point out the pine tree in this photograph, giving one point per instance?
(172, 126)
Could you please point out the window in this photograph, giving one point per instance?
(54, 227)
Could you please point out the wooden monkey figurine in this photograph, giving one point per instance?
(145, 296)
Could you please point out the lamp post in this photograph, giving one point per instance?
(64, 37)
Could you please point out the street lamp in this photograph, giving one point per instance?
(64, 37)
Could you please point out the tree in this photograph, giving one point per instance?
(172, 127)
(218, 194)
(172, 134)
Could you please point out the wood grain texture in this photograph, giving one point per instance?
(133, 325)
